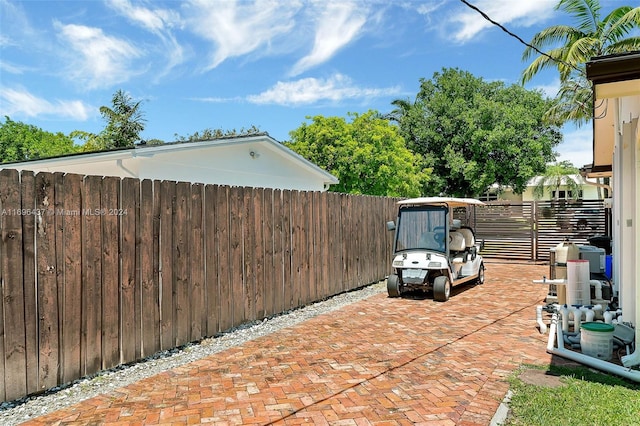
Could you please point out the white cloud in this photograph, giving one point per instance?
(10, 68)
(5, 41)
(430, 6)
(551, 89)
(21, 102)
(337, 25)
(311, 90)
(158, 22)
(154, 20)
(237, 28)
(577, 145)
(522, 13)
(101, 60)
(15, 25)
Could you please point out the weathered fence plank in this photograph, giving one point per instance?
(211, 247)
(287, 249)
(269, 260)
(258, 226)
(167, 275)
(236, 283)
(278, 253)
(47, 291)
(196, 266)
(130, 285)
(181, 253)
(110, 214)
(91, 343)
(58, 189)
(11, 271)
(224, 285)
(250, 250)
(71, 304)
(27, 188)
(147, 250)
(296, 250)
(317, 255)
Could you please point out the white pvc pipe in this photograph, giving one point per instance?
(556, 334)
(577, 316)
(608, 317)
(598, 288)
(541, 324)
(589, 314)
(565, 318)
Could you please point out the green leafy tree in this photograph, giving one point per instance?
(367, 154)
(475, 133)
(557, 175)
(90, 141)
(21, 142)
(568, 48)
(211, 134)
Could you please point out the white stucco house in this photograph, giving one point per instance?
(616, 154)
(254, 161)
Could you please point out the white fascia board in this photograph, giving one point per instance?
(267, 140)
(71, 159)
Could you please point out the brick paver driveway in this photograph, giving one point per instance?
(379, 361)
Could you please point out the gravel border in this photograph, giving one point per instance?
(21, 410)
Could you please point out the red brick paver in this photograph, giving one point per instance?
(380, 361)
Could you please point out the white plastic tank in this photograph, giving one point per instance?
(596, 340)
(578, 282)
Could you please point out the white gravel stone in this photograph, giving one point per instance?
(16, 412)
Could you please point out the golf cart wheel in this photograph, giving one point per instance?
(393, 286)
(480, 279)
(441, 288)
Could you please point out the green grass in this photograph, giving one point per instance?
(585, 397)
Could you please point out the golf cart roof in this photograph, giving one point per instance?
(449, 201)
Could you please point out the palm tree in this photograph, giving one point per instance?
(568, 48)
(125, 121)
(573, 102)
(402, 108)
(560, 174)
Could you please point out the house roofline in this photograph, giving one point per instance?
(612, 68)
(150, 150)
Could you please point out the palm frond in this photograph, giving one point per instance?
(544, 62)
(583, 50)
(620, 22)
(548, 37)
(586, 13)
(630, 44)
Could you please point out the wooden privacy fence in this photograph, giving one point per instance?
(98, 271)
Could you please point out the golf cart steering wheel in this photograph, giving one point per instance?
(438, 234)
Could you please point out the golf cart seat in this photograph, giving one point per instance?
(469, 239)
(456, 241)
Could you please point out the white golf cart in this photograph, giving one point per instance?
(432, 251)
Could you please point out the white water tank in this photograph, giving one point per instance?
(578, 283)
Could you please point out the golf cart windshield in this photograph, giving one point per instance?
(422, 227)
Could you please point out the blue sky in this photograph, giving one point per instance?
(233, 64)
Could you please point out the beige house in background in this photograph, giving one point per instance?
(253, 161)
(591, 190)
